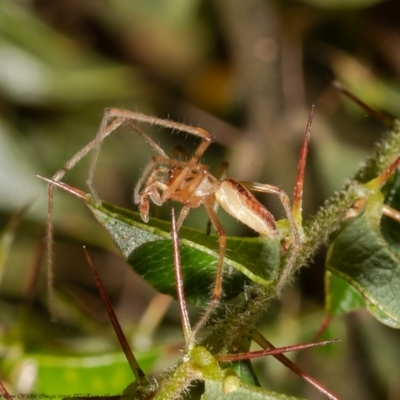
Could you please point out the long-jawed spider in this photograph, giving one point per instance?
(197, 363)
(190, 183)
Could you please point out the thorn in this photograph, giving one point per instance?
(384, 118)
(64, 186)
(137, 371)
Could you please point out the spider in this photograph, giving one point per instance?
(187, 181)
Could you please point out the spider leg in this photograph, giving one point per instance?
(182, 215)
(294, 227)
(219, 175)
(153, 189)
(180, 151)
(121, 117)
(50, 193)
(105, 130)
(206, 139)
(178, 182)
(195, 183)
(133, 118)
(217, 291)
(180, 289)
(129, 116)
(222, 246)
(222, 171)
(190, 190)
(188, 333)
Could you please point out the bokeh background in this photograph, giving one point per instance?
(246, 71)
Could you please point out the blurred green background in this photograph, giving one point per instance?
(248, 72)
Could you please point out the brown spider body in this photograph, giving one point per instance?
(196, 187)
(192, 187)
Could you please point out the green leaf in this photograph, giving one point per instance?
(341, 297)
(40, 356)
(63, 375)
(214, 390)
(148, 250)
(362, 256)
(382, 316)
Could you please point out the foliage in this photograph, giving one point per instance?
(216, 64)
(358, 253)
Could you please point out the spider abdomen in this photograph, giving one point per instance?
(238, 201)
